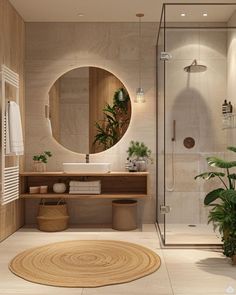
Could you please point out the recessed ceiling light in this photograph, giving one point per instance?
(204, 14)
(183, 14)
(80, 14)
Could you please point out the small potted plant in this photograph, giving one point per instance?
(223, 202)
(40, 161)
(140, 153)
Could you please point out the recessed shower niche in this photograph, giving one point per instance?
(90, 110)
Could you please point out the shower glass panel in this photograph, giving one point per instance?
(160, 127)
(196, 66)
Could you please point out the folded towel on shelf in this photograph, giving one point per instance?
(77, 189)
(87, 192)
(96, 183)
(14, 134)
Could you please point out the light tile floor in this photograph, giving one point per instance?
(197, 234)
(183, 271)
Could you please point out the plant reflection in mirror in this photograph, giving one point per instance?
(115, 122)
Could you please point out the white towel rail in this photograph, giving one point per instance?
(9, 175)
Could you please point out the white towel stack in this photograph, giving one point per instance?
(85, 187)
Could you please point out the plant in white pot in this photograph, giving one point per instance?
(140, 154)
(40, 161)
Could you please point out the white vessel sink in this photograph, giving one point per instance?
(86, 167)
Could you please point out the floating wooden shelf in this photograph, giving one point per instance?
(83, 197)
(114, 185)
(63, 174)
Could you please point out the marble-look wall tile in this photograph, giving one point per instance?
(186, 167)
(184, 208)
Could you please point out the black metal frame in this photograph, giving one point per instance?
(163, 18)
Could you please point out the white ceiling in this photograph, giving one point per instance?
(116, 10)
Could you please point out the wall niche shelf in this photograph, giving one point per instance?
(114, 185)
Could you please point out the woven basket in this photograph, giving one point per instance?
(124, 214)
(52, 216)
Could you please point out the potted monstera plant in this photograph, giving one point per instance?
(223, 202)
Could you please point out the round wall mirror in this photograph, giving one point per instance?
(89, 110)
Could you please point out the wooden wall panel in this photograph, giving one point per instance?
(12, 48)
(102, 87)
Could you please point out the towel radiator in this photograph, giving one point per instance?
(9, 167)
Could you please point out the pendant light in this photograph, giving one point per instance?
(139, 93)
(120, 95)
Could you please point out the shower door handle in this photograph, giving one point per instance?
(174, 131)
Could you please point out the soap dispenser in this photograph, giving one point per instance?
(230, 108)
(225, 107)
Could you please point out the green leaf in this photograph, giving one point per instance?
(213, 195)
(139, 150)
(48, 153)
(217, 162)
(232, 176)
(209, 175)
(230, 195)
(231, 148)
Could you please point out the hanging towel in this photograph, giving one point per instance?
(14, 130)
(7, 132)
(49, 126)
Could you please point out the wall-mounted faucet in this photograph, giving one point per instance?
(87, 158)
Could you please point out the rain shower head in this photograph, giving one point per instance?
(195, 68)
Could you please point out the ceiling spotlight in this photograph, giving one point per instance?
(80, 14)
(204, 14)
(183, 14)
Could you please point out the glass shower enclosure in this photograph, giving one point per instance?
(196, 70)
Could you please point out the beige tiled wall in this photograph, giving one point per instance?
(54, 48)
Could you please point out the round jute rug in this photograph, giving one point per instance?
(89, 263)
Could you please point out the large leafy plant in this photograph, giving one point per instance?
(116, 121)
(223, 201)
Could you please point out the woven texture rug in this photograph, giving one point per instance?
(89, 263)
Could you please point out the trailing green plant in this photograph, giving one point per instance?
(43, 157)
(223, 201)
(139, 150)
(115, 122)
